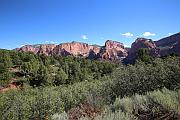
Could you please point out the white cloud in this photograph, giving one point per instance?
(128, 34)
(146, 34)
(84, 37)
(169, 34)
(127, 46)
(22, 45)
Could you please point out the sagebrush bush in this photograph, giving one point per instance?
(169, 99)
(39, 103)
(141, 78)
(127, 90)
(127, 108)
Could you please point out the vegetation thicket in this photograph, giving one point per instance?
(54, 85)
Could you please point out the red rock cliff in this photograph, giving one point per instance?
(169, 45)
(75, 49)
(141, 43)
(112, 50)
(38, 49)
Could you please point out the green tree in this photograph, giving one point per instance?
(60, 77)
(45, 59)
(5, 58)
(143, 55)
(41, 78)
(26, 68)
(16, 58)
(74, 72)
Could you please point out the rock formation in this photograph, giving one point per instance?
(75, 49)
(169, 45)
(168, 41)
(112, 50)
(141, 43)
(176, 48)
(38, 49)
(46, 49)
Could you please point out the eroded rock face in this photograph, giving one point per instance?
(176, 48)
(168, 41)
(169, 45)
(46, 49)
(28, 48)
(112, 50)
(75, 49)
(141, 43)
(38, 49)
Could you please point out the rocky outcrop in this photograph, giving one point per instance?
(141, 43)
(112, 50)
(168, 41)
(28, 48)
(169, 45)
(38, 49)
(75, 49)
(162, 47)
(176, 48)
(46, 49)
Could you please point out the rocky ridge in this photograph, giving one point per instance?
(141, 43)
(112, 50)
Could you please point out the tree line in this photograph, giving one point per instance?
(42, 70)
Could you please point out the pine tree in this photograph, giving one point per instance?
(60, 77)
(143, 55)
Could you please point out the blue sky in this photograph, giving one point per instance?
(92, 21)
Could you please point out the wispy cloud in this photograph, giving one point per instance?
(147, 34)
(84, 37)
(128, 34)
